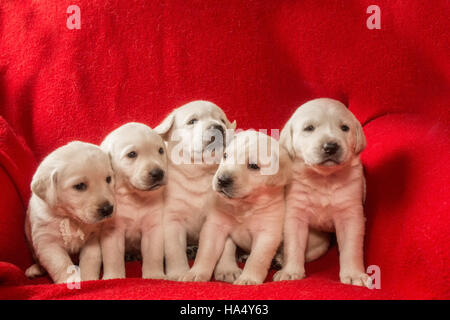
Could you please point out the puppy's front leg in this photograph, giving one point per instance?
(294, 247)
(350, 237)
(227, 270)
(152, 249)
(211, 244)
(263, 250)
(113, 252)
(56, 261)
(175, 250)
(91, 259)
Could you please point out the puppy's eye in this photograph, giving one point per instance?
(161, 150)
(253, 166)
(192, 121)
(132, 154)
(225, 155)
(108, 179)
(80, 187)
(309, 128)
(345, 128)
(223, 121)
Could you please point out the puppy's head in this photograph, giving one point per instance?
(252, 164)
(77, 181)
(138, 156)
(325, 134)
(197, 126)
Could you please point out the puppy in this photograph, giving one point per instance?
(71, 194)
(246, 207)
(195, 135)
(139, 160)
(324, 139)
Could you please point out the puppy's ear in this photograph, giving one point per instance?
(360, 138)
(110, 158)
(164, 127)
(286, 139)
(106, 146)
(285, 166)
(231, 131)
(44, 185)
(230, 136)
(284, 174)
(231, 125)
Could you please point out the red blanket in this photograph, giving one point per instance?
(259, 60)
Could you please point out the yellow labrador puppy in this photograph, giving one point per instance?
(195, 138)
(71, 193)
(246, 207)
(139, 161)
(324, 139)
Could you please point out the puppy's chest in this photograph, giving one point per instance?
(137, 216)
(319, 202)
(242, 235)
(186, 196)
(248, 224)
(73, 236)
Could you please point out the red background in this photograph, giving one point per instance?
(258, 60)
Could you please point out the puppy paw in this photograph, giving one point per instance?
(109, 276)
(153, 275)
(175, 275)
(286, 274)
(195, 276)
(356, 278)
(89, 277)
(246, 280)
(34, 271)
(227, 275)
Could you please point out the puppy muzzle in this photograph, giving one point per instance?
(150, 181)
(105, 210)
(330, 154)
(156, 179)
(224, 185)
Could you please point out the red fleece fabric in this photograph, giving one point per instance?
(259, 60)
(17, 165)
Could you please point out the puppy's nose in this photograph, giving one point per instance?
(217, 127)
(224, 181)
(330, 148)
(105, 209)
(157, 174)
